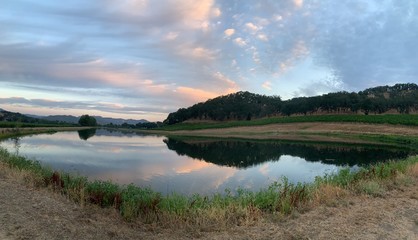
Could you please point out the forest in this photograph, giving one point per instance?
(400, 98)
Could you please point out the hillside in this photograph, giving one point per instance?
(400, 98)
(100, 120)
(18, 117)
(61, 119)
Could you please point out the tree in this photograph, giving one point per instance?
(87, 120)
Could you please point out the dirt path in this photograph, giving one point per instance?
(28, 213)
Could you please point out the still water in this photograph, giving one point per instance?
(191, 166)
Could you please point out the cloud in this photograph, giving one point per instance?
(204, 53)
(231, 85)
(277, 17)
(216, 12)
(172, 36)
(240, 42)
(298, 3)
(170, 53)
(180, 13)
(262, 37)
(267, 85)
(195, 95)
(229, 32)
(101, 106)
(372, 44)
(252, 27)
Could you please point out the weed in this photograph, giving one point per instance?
(372, 188)
(104, 194)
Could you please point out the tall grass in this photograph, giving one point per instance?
(244, 206)
(395, 119)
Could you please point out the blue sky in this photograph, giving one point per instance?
(146, 58)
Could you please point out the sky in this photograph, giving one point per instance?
(142, 59)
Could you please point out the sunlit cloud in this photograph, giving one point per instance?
(231, 85)
(298, 3)
(149, 53)
(216, 12)
(262, 37)
(229, 32)
(196, 95)
(252, 27)
(240, 42)
(267, 85)
(203, 53)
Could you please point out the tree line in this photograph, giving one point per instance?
(402, 98)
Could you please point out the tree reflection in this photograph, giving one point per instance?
(16, 144)
(86, 133)
(243, 154)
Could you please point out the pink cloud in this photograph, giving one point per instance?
(229, 32)
(194, 95)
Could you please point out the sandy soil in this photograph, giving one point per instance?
(29, 213)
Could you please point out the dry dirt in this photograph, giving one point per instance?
(30, 213)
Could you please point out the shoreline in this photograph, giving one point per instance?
(350, 133)
(332, 200)
(32, 212)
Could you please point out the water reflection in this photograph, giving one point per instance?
(86, 133)
(193, 166)
(16, 144)
(244, 154)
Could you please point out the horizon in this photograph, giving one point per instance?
(139, 59)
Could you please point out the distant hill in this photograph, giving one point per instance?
(118, 121)
(18, 117)
(100, 120)
(400, 98)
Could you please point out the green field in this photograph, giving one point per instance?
(395, 119)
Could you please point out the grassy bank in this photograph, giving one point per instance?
(6, 133)
(395, 119)
(31, 125)
(241, 207)
(18, 132)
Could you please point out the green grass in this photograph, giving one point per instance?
(134, 202)
(395, 119)
(18, 132)
(31, 125)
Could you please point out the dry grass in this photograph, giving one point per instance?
(371, 187)
(21, 176)
(413, 170)
(328, 194)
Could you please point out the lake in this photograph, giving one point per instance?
(191, 165)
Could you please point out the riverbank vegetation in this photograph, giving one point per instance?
(235, 207)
